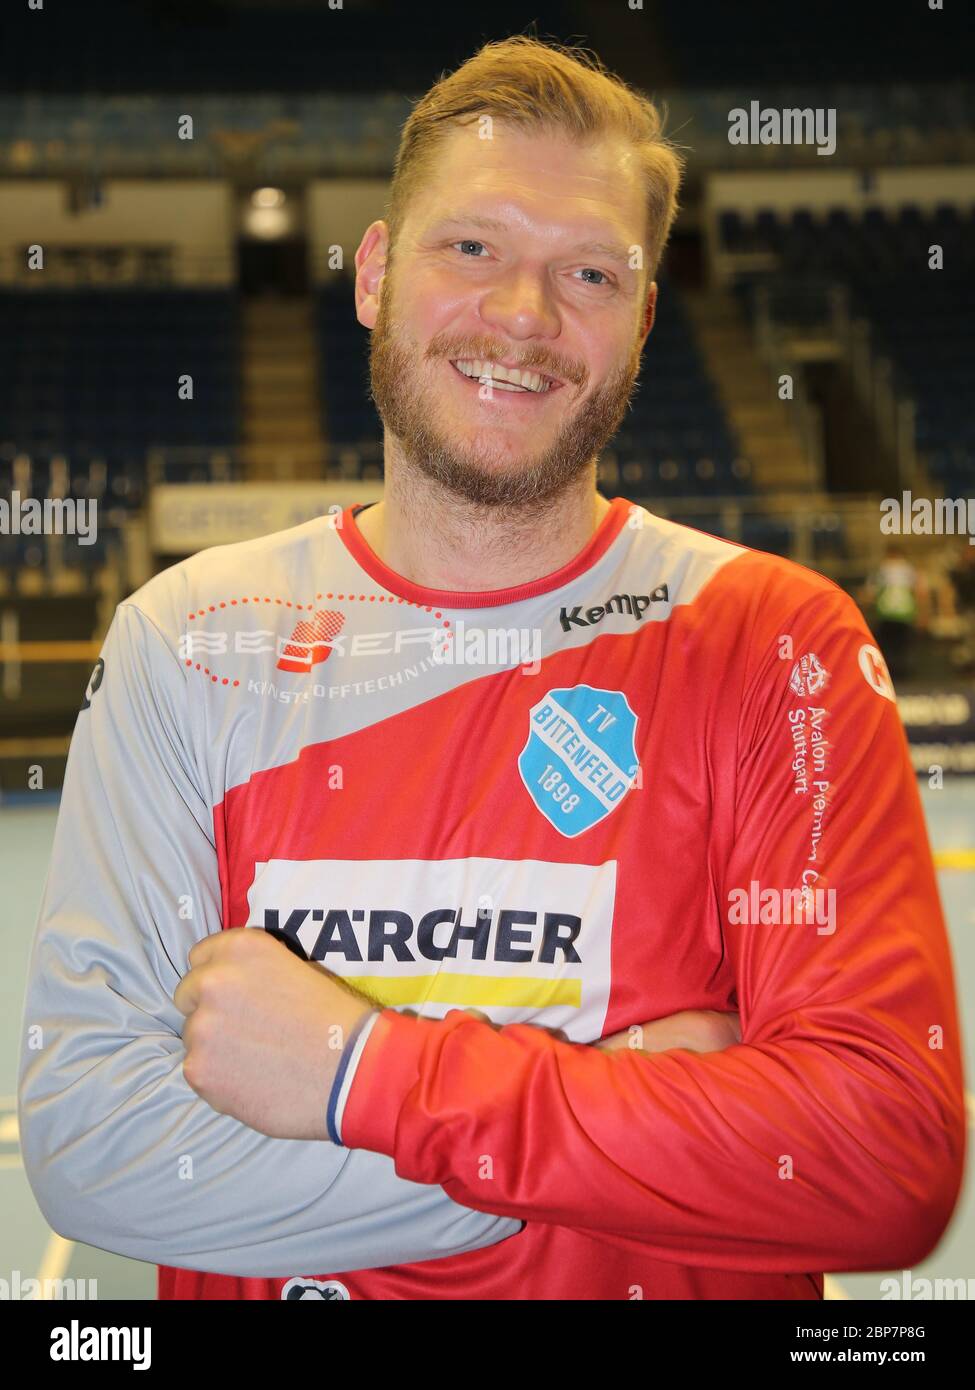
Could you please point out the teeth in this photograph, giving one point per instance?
(497, 375)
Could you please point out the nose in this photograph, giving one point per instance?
(520, 306)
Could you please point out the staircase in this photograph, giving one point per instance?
(281, 420)
(766, 426)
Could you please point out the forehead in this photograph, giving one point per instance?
(535, 178)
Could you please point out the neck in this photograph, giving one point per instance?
(440, 541)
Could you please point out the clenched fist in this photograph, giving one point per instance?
(264, 1031)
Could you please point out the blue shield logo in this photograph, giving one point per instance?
(580, 758)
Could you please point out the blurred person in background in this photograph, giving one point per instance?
(961, 583)
(898, 595)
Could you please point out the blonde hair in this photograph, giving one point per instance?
(546, 87)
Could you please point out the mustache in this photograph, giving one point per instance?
(536, 359)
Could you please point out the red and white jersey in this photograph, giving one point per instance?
(669, 776)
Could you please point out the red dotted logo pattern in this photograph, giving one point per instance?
(320, 626)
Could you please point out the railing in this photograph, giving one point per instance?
(840, 537)
(773, 347)
(294, 136)
(892, 411)
(235, 462)
(81, 266)
(828, 313)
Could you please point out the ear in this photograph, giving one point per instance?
(370, 271)
(649, 311)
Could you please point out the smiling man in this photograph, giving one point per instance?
(506, 353)
(496, 872)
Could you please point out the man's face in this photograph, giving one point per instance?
(517, 251)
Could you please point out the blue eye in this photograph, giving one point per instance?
(591, 270)
(470, 243)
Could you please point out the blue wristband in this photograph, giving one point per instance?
(333, 1098)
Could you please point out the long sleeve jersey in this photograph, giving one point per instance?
(670, 775)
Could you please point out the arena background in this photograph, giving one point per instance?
(183, 186)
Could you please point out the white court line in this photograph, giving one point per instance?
(57, 1252)
(54, 1261)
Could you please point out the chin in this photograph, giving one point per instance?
(492, 467)
(499, 448)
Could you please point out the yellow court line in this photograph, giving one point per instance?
(11, 1161)
(954, 859)
(56, 1258)
(34, 747)
(66, 651)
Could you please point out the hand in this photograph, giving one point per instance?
(264, 1032)
(699, 1030)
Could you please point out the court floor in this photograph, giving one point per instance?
(29, 1249)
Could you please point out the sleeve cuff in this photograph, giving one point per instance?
(343, 1077)
(380, 1077)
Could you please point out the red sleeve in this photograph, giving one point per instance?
(833, 1136)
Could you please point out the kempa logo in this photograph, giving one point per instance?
(634, 605)
(760, 125)
(920, 516)
(54, 516)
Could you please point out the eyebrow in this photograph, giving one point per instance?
(614, 250)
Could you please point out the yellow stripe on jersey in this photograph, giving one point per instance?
(503, 991)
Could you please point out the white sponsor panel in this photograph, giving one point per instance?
(522, 941)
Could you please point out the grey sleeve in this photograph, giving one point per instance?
(120, 1152)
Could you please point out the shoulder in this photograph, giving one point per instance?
(747, 587)
(273, 570)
